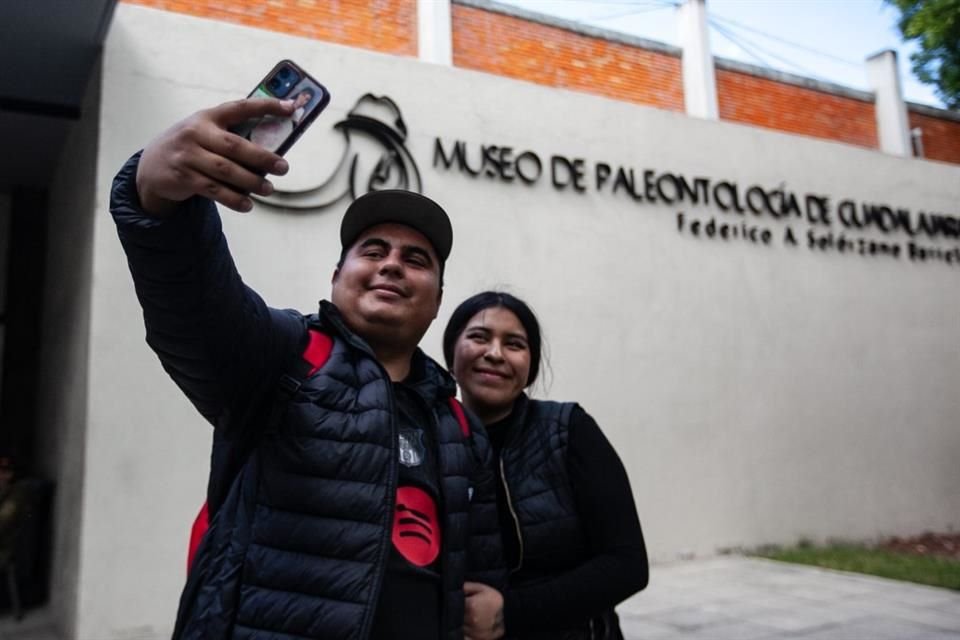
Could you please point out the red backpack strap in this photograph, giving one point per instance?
(318, 350)
(200, 526)
(315, 355)
(461, 417)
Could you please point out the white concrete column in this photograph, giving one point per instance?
(699, 80)
(893, 126)
(434, 31)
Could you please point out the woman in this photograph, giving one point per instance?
(570, 529)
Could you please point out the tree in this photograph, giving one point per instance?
(935, 25)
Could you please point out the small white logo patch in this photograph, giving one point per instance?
(411, 447)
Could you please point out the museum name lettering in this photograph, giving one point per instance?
(503, 163)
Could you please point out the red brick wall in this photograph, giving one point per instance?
(551, 56)
(389, 26)
(764, 102)
(555, 57)
(941, 137)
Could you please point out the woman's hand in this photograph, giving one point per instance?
(483, 614)
(200, 156)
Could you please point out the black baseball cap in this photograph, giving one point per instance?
(400, 207)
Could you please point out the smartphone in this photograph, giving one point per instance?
(289, 82)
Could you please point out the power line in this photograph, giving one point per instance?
(630, 3)
(725, 27)
(726, 34)
(631, 12)
(735, 39)
(637, 2)
(780, 40)
(743, 40)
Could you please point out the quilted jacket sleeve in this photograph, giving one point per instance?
(214, 336)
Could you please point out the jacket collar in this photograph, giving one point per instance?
(514, 422)
(426, 377)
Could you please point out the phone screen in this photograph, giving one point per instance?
(290, 82)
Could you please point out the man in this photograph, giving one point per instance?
(346, 502)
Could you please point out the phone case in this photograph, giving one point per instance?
(289, 81)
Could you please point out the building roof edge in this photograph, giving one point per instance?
(794, 79)
(935, 112)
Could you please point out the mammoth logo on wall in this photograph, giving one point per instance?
(374, 157)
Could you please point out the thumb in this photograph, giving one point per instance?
(473, 588)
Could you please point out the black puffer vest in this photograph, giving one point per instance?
(299, 547)
(533, 467)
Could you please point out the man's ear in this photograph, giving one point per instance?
(439, 301)
(336, 274)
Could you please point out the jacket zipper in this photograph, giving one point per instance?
(513, 514)
(394, 476)
(441, 512)
(390, 506)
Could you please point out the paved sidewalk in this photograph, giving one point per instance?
(737, 598)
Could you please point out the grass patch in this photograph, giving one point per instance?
(930, 570)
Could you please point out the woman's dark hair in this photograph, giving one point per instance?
(487, 300)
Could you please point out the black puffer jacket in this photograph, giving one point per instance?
(535, 467)
(301, 535)
(570, 525)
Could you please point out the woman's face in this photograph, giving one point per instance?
(491, 362)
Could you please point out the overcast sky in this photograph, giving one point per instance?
(834, 36)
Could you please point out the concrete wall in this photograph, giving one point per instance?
(756, 393)
(62, 407)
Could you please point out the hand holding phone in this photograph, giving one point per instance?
(203, 155)
(278, 133)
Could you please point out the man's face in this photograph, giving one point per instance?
(388, 287)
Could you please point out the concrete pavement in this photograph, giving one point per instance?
(737, 598)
